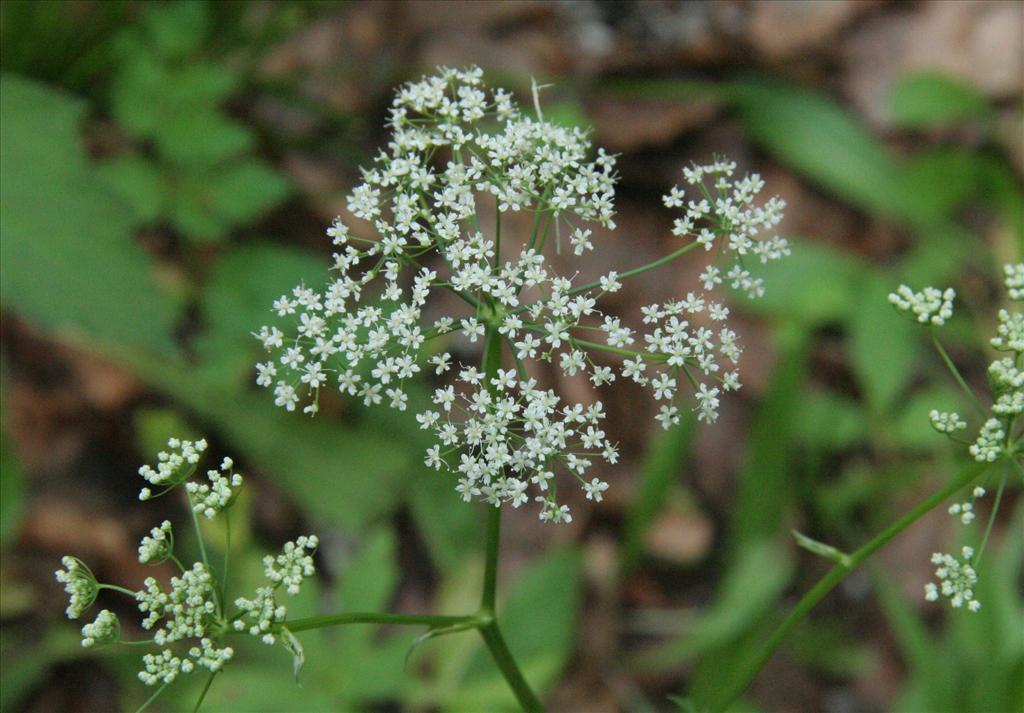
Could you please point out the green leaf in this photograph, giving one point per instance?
(137, 181)
(766, 488)
(209, 203)
(815, 285)
(928, 99)
(200, 136)
(237, 300)
(821, 549)
(540, 644)
(176, 29)
(884, 346)
(935, 183)
(817, 137)
(153, 100)
(241, 192)
(12, 489)
(829, 421)
(750, 589)
(68, 260)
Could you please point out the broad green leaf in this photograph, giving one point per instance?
(884, 346)
(937, 182)
(926, 99)
(200, 137)
(242, 191)
(813, 134)
(238, 298)
(137, 181)
(813, 286)
(178, 107)
(209, 203)
(829, 421)
(68, 260)
(176, 29)
(541, 644)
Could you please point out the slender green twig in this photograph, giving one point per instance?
(115, 588)
(956, 374)
(832, 578)
(991, 518)
(206, 689)
(149, 701)
(343, 618)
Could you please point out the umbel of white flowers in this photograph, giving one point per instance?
(957, 575)
(458, 150)
(188, 619)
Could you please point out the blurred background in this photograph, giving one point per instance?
(169, 168)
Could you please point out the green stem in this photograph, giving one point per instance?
(491, 563)
(489, 631)
(956, 374)
(227, 556)
(528, 701)
(642, 269)
(497, 236)
(991, 518)
(628, 273)
(149, 701)
(320, 622)
(832, 578)
(115, 588)
(206, 689)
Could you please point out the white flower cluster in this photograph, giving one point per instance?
(157, 546)
(989, 444)
(210, 499)
(186, 611)
(965, 510)
(1013, 276)
(944, 422)
(294, 564)
(105, 629)
(957, 579)
(172, 467)
(930, 306)
(997, 435)
(456, 145)
(262, 615)
(725, 215)
(189, 609)
(508, 435)
(80, 585)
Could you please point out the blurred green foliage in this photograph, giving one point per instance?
(187, 160)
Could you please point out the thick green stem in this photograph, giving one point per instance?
(832, 578)
(490, 631)
(528, 701)
(320, 622)
(491, 562)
